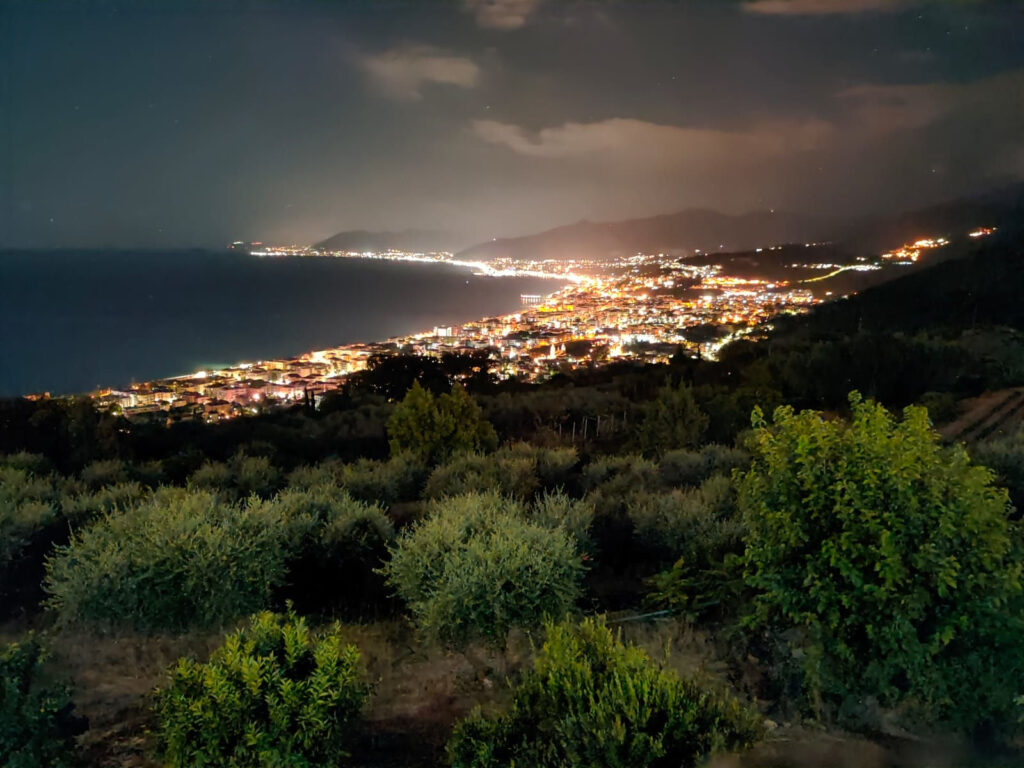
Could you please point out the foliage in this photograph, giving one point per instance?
(1005, 457)
(335, 545)
(696, 523)
(254, 475)
(181, 559)
(892, 556)
(673, 420)
(99, 474)
(514, 476)
(552, 466)
(475, 567)
(591, 700)
(434, 427)
(275, 694)
(37, 727)
(28, 503)
(555, 509)
(689, 467)
(400, 478)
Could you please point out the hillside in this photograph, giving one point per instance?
(983, 287)
(711, 231)
(676, 233)
(404, 240)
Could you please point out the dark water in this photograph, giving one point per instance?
(70, 322)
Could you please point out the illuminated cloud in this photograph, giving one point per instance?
(822, 7)
(501, 14)
(401, 72)
(637, 142)
(888, 108)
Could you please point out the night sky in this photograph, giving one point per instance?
(158, 124)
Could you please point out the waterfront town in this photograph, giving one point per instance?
(644, 308)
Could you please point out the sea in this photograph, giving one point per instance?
(74, 321)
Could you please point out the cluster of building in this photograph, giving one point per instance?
(645, 307)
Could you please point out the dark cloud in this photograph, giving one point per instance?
(130, 123)
(824, 7)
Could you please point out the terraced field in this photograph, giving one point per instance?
(992, 414)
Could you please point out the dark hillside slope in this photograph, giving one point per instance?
(984, 287)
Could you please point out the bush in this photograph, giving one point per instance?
(275, 694)
(33, 463)
(179, 560)
(476, 568)
(698, 524)
(215, 477)
(386, 482)
(552, 466)
(103, 473)
(686, 467)
(1005, 457)
(27, 506)
(254, 475)
(327, 473)
(30, 523)
(672, 420)
(894, 560)
(336, 544)
(555, 509)
(469, 473)
(37, 727)
(83, 507)
(592, 701)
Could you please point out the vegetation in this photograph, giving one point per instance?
(673, 420)
(274, 694)
(180, 560)
(590, 700)
(835, 564)
(37, 727)
(435, 427)
(893, 557)
(476, 568)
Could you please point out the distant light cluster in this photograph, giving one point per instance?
(642, 307)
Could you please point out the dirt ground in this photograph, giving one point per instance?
(418, 695)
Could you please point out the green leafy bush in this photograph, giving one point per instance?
(475, 568)
(592, 701)
(469, 473)
(181, 559)
(894, 560)
(275, 694)
(434, 428)
(37, 727)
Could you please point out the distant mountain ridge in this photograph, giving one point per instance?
(405, 240)
(676, 233)
(710, 231)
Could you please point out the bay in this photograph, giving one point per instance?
(74, 321)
